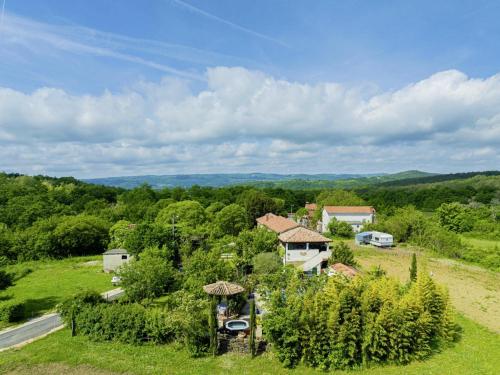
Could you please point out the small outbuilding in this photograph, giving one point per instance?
(114, 259)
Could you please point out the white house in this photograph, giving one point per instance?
(305, 248)
(357, 216)
(114, 259)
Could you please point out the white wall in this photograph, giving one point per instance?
(111, 262)
(356, 220)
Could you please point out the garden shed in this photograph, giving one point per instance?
(114, 259)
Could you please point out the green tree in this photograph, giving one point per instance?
(267, 263)
(455, 217)
(257, 204)
(150, 276)
(413, 268)
(119, 233)
(340, 228)
(253, 327)
(252, 242)
(184, 213)
(231, 220)
(342, 253)
(212, 326)
(205, 267)
(339, 197)
(81, 235)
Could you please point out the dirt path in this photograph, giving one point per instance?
(474, 291)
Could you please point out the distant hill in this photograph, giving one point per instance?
(437, 178)
(291, 181)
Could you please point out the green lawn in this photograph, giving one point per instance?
(478, 352)
(51, 281)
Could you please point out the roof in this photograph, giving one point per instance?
(349, 209)
(223, 288)
(278, 224)
(311, 206)
(301, 235)
(344, 269)
(115, 252)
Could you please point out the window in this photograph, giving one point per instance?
(124, 257)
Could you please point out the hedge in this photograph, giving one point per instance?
(11, 311)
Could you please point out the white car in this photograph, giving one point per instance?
(116, 280)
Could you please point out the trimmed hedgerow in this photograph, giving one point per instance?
(11, 311)
(184, 319)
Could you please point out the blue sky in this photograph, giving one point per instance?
(103, 88)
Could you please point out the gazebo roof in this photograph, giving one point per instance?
(223, 288)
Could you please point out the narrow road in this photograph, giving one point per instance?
(41, 326)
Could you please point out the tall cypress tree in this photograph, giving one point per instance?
(413, 268)
(253, 326)
(212, 326)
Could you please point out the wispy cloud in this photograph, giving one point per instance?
(75, 39)
(211, 16)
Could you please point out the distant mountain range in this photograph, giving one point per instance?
(258, 180)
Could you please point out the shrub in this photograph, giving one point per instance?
(11, 311)
(342, 253)
(266, 263)
(5, 279)
(340, 228)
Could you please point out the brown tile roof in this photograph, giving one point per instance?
(344, 269)
(301, 235)
(311, 207)
(278, 224)
(349, 209)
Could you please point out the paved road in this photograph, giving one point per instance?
(41, 326)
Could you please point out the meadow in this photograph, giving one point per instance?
(43, 284)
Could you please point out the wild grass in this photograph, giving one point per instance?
(474, 291)
(43, 284)
(476, 353)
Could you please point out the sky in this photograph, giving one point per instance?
(101, 88)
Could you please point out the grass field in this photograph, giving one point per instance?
(51, 281)
(474, 291)
(476, 353)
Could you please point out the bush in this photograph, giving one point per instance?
(11, 311)
(340, 228)
(266, 263)
(342, 253)
(148, 277)
(5, 280)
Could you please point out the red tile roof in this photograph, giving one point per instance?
(278, 224)
(302, 235)
(344, 269)
(349, 209)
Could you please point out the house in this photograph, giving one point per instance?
(375, 238)
(305, 248)
(357, 216)
(276, 223)
(342, 269)
(311, 208)
(114, 259)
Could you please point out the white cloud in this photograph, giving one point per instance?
(249, 121)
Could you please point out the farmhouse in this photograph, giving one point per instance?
(354, 215)
(276, 223)
(305, 248)
(114, 259)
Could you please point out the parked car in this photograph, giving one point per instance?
(116, 280)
